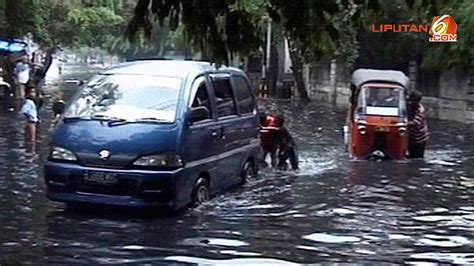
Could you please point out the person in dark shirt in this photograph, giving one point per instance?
(58, 106)
(287, 150)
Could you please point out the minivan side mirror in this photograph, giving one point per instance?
(198, 114)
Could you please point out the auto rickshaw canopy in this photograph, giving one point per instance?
(361, 76)
(12, 46)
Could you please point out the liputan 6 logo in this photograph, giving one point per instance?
(443, 29)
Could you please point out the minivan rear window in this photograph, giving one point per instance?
(132, 98)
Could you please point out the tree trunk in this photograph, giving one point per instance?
(297, 68)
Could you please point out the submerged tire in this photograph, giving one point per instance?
(248, 173)
(201, 192)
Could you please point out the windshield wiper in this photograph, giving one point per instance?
(139, 120)
(73, 118)
(110, 119)
(150, 119)
(105, 117)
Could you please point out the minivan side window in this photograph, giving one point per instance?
(244, 96)
(224, 96)
(201, 97)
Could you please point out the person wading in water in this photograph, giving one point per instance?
(417, 126)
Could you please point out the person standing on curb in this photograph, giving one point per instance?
(22, 76)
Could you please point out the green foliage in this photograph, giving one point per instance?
(51, 26)
(20, 17)
(219, 28)
(222, 28)
(92, 26)
(161, 40)
(395, 49)
(460, 53)
(70, 24)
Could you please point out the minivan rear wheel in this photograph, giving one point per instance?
(248, 173)
(201, 192)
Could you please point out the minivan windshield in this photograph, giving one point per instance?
(128, 98)
(384, 101)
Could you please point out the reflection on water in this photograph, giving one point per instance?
(334, 209)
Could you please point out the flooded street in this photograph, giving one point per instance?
(333, 210)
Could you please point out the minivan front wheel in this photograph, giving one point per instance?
(248, 173)
(201, 192)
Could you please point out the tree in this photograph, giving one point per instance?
(460, 53)
(219, 28)
(160, 41)
(396, 49)
(20, 17)
(92, 26)
(223, 28)
(71, 23)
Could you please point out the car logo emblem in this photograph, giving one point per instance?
(104, 154)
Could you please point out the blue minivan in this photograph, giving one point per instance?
(155, 134)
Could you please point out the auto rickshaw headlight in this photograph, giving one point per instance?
(362, 129)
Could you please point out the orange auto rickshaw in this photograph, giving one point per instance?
(377, 118)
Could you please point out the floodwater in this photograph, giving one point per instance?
(333, 210)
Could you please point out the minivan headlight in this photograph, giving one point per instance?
(160, 160)
(58, 153)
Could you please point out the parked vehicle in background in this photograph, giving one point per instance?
(10, 51)
(377, 119)
(159, 134)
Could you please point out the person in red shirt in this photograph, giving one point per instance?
(417, 126)
(277, 141)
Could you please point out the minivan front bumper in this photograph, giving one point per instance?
(66, 183)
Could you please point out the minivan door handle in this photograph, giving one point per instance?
(216, 132)
(222, 133)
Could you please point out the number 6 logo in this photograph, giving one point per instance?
(440, 26)
(443, 25)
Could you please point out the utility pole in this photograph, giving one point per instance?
(269, 43)
(266, 62)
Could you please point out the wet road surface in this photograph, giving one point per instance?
(333, 210)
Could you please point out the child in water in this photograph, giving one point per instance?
(30, 112)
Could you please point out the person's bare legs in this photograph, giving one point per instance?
(30, 131)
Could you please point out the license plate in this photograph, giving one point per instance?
(382, 129)
(101, 178)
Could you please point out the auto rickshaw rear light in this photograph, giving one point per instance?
(362, 129)
(402, 130)
(360, 118)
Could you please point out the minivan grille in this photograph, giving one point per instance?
(124, 187)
